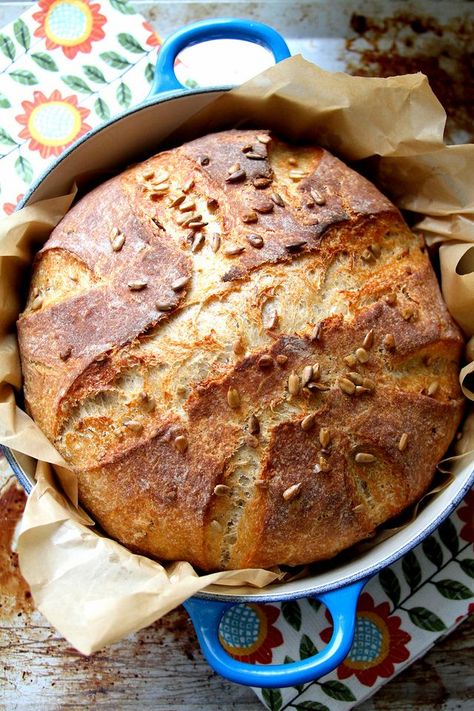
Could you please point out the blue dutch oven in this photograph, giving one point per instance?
(137, 133)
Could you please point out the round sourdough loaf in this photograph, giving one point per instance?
(242, 351)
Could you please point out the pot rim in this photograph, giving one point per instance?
(366, 571)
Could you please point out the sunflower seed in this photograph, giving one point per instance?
(216, 526)
(261, 183)
(37, 303)
(323, 464)
(292, 161)
(403, 442)
(255, 240)
(261, 483)
(265, 361)
(360, 390)
(247, 148)
(307, 375)
(309, 203)
(294, 384)
(368, 383)
(250, 216)
(264, 207)
(277, 199)
(133, 426)
(233, 168)
(317, 197)
(66, 353)
(320, 387)
(233, 398)
(222, 490)
(164, 305)
(390, 299)
(316, 371)
(180, 283)
(187, 206)
(263, 138)
(137, 285)
(196, 224)
(281, 359)
(236, 176)
(307, 422)
(389, 341)
(375, 249)
(117, 239)
(433, 388)
(361, 355)
(215, 243)
(197, 243)
(292, 492)
(367, 255)
(233, 249)
(347, 386)
(254, 425)
(368, 341)
(178, 200)
(181, 443)
(297, 174)
(253, 155)
(204, 160)
(159, 191)
(350, 360)
(251, 441)
(365, 458)
(161, 177)
(184, 220)
(316, 332)
(324, 437)
(355, 377)
(188, 185)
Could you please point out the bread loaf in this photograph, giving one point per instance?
(242, 351)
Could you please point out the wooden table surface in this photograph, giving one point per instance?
(161, 667)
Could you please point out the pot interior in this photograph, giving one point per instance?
(137, 134)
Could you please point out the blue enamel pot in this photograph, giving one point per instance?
(137, 133)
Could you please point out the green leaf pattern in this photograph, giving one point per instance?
(124, 95)
(45, 61)
(23, 76)
(22, 33)
(24, 169)
(129, 43)
(307, 647)
(7, 47)
(292, 613)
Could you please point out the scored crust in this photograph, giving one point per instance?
(242, 351)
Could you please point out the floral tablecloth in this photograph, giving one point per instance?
(66, 66)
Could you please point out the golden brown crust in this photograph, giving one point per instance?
(175, 315)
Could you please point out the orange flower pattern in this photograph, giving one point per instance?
(52, 123)
(71, 25)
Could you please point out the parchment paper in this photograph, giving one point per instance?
(91, 588)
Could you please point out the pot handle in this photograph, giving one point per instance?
(206, 616)
(215, 28)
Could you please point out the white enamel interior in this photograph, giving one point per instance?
(138, 134)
